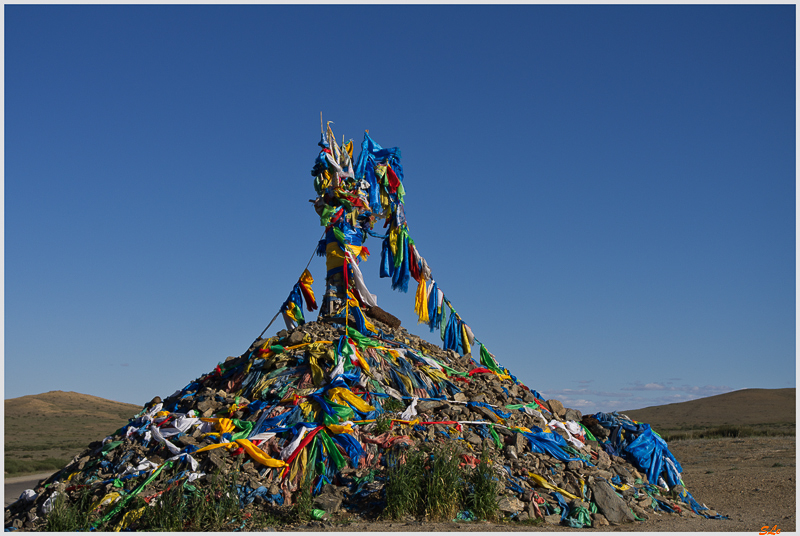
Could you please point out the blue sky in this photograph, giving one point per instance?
(605, 193)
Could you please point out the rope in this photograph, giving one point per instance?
(298, 279)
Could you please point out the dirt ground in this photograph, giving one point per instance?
(750, 480)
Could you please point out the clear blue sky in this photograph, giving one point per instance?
(605, 193)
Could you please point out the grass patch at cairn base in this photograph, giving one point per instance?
(435, 483)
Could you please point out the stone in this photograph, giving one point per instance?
(573, 415)
(531, 509)
(329, 502)
(473, 439)
(382, 316)
(511, 452)
(460, 397)
(599, 520)
(622, 471)
(553, 519)
(575, 503)
(641, 512)
(430, 407)
(504, 432)
(205, 405)
(574, 466)
(610, 504)
(594, 427)
(214, 459)
(295, 338)
(480, 397)
(523, 516)
(603, 460)
(487, 413)
(510, 504)
(520, 442)
(556, 408)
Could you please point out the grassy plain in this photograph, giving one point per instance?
(743, 413)
(43, 432)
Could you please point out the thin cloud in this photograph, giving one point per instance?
(588, 392)
(698, 390)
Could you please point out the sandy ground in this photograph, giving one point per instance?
(751, 480)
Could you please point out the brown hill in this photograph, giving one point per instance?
(758, 408)
(42, 432)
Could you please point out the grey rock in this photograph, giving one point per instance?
(214, 459)
(603, 460)
(556, 408)
(573, 415)
(473, 438)
(553, 519)
(486, 413)
(575, 503)
(205, 405)
(329, 502)
(639, 511)
(599, 520)
(429, 407)
(504, 432)
(480, 397)
(610, 504)
(294, 339)
(460, 397)
(520, 442)
(510, 504)
(622, 471)
(574, 466)
(531, 510)
(523, 516)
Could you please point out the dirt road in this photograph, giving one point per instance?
(16, 485)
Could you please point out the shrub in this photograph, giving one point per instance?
(484, 486)
(404, 482)
(66, 517)
(444, 483)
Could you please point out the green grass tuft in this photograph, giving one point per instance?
(484, 488)
(444, 483)
(404, 482)
(66, 517)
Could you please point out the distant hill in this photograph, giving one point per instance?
(42, 431)
(760, 408)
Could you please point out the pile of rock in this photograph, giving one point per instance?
(326, 403)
